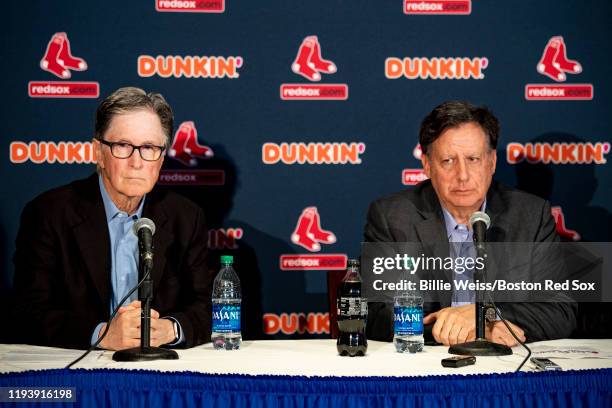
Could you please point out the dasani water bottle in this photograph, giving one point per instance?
(408, 323)
(226, 298)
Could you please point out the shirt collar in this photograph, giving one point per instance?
(111, 209)
(449, 220)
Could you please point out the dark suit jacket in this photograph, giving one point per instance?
(63, 265)
(416, 216)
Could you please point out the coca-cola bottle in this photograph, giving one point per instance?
(352, 313)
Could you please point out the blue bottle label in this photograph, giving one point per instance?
(408, 320)
(226, 318)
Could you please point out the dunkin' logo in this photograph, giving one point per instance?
(52, 152)
(291, 323)
(224, 238)
(173, 66)
(436, 68)
(556, 65)
(59, 61)
(190, 6)
(310, 64)
(312, 153)
(562, 230)
(462, 7)
(558, 153)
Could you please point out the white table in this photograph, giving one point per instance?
(306, 358)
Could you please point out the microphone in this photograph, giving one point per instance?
(480, 222)
(144, 229)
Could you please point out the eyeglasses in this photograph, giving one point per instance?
(124, 150)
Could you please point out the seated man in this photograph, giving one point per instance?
(76, 255)
(458, 141)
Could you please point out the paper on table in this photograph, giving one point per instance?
(568, 352)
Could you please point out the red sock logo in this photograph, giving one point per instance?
(58, 58)
(67, 60)
(309, 63)
(317, 62)
(308, 232)
(565, 64)
(177, 150)
(554, 62)
(562, 230)
(192, 147)
(185, 147)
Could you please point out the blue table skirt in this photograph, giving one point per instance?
(121, 388)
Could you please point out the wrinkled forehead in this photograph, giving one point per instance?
(137, 127)
(468, 138)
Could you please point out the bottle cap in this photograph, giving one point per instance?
(353, 263)
(227, 259)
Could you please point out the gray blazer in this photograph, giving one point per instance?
(415, 215)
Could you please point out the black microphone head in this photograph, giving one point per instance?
(144, 223)
(480, 216)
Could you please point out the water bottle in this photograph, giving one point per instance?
(352, 312)
(226, 298)
(408, 323)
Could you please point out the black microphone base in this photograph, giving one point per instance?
(145, 354)
(480, 347)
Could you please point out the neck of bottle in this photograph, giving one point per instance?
(352, 274)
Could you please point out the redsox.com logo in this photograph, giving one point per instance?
(309, 234)
(190, 6)
(310, 64)
(59, 61)
(187, 151)
(555, 65)
(426, 7)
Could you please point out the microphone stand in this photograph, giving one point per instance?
(481, 346)
(145, 294)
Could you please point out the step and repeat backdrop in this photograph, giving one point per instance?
(292, 116)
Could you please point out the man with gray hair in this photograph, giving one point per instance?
(76, 256)
(459, 142)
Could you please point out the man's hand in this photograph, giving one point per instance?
(124, 331)
(498, 333)
(162, 330)
(453, 325)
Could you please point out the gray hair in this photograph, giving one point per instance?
(130, 99)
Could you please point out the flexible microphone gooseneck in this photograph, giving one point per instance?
(480, 222)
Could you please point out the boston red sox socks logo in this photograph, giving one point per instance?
(308, 232)
(417, 152)
(309, 62)
(58, 59)
(554, 62)
(562, 230)
(185, 147)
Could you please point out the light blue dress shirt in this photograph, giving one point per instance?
(461, 244)
(124, 255)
